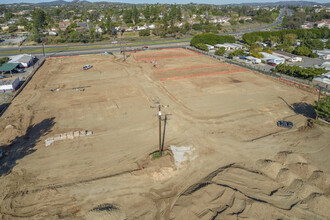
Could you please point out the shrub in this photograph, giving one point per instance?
(211, 39)
(221, 51)
(323, 108)
(296, 71)
(3, 60)
(238, 52)
(202, 46)
(144, 33)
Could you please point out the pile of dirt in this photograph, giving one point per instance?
(268, 189)
(157, 168)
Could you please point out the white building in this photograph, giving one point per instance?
(326, 65)
(324, 80)
(152, 26)
(8, 85)
(287, 56)
(230, 46)
(323, 54)
(25, 60)
(253, 59)
(210, 47)
(272, 58)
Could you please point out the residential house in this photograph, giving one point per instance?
(24, 60)
(4, 28)
(245, 18)
(323, 54)
(63, 25)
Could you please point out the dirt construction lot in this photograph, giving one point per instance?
(225, 157)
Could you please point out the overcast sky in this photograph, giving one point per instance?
(220, 2)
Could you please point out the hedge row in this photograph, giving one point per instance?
(211, 39)
(296, 71)
(260, 36)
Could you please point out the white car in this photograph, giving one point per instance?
(114, 42)
(87, 67)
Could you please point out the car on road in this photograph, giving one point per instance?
(87, 67)
(145, 47)
(272, 64)
(285, 124)
(114, 42)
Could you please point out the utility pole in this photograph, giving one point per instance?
(160, 141)
(318, 103)
(43, 48)
(160, 129)
(165, 120)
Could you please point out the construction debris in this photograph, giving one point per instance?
(69, 135)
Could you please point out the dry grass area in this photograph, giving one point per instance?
(240, 166)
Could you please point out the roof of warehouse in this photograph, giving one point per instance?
(21, 58)
(8, 66)
(7, 81)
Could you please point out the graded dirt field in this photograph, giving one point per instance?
(225, 157)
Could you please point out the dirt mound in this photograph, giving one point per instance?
(157, 168)
(267, 190)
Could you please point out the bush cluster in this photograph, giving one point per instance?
(303, 73)
(3, 60)
(211, 39)
(261, 36)
(202, 46)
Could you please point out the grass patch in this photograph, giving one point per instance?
(318, 122)
(156, 155)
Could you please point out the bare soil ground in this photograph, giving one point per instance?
(242, 165)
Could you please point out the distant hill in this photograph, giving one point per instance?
(282, 3)
(60, 2)
(253, 4)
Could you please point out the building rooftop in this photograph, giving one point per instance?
(7, 81)
(21, 58)
(8, 67)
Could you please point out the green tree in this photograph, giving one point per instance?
(4, 60)
(135, 15)
(289, 39)
(8, 16)
(322, 108)
(144, 33)
(128, 16)
(39, 18)
(202, 46)
(146, 12)
(12, 28)
(303, 51)
(221, 51)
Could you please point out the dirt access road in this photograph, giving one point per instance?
(230, 160)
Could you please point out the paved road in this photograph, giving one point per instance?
(278, 21)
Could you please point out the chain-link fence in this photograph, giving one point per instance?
(6, 104)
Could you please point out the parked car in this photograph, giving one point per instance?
(2, 77)
(145, 47)
(87, 67)
(114, 42)
(272, 64)
(19, 70)
(285, 124)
